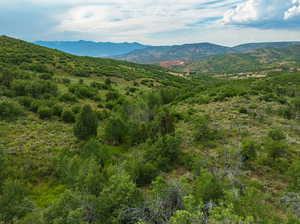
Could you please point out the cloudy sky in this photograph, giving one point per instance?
(156, 22)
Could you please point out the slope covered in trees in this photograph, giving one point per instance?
(258, 60)
(143, 147)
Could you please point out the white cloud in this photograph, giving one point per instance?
(293, 12)
(263, 13)
(125, 18)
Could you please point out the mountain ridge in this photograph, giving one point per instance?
(91, 48)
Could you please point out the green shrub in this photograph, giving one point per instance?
(115, 131)
(45, 112)
(243, 110)
(25, 101)
(111, 95)
(164, 152)
(249, 150)
(57, 110)
(68, 116)
(276, 134)
(68, 97)
(208, 187)
(76, 109)
(10, 110)
(86, 124)
(275, 148)
(203, 132)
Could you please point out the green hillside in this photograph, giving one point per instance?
(257, 60)
(100, 141)
(186, 52)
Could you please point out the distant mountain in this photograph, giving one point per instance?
(256, 60)
(186, 52)
(93, 49)
(165, 55)
(254, 46)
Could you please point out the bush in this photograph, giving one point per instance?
(45, 112)
(203, 132)
(76, 109)
(112, 96)
(34, 88)
(276, 134)
(115, 131)
(275, 149)
(249, 150)
(83, 91)
(68, 97)
(87, 124)
(164, 152)
(68, 116)
(57, 110)
(9, 110)
(25, 101)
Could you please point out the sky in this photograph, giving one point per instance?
(156, 22)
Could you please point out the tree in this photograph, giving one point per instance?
(249, 150)
(14, 203)
(86, 124)
(115, 131)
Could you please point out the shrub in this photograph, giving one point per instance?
(68, 116)
(76, 109)
(249, 150)
(203, 132)
(45, 112)
(243, 110)
(86, 124)
(164, 152)
(275, 149)
(25, 101)
(9, 110)
(112, 96)
(115, 131)
(208, 187)
(276, 134)
(83, 91)
(68, 97)
(166, 122)
(57, 110)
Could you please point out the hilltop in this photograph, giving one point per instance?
(100, 141)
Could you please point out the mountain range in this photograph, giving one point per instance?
(93, 49)
(166, 55)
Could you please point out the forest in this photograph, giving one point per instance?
(100, 141)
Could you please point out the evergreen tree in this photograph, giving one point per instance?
(86, 124)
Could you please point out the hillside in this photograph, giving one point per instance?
(243, 48)
(100, 141)
(253, 61)
(93, 49)
(186, 52)
(189, 53)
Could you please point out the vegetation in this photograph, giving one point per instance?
(284, 58)
(86, 140)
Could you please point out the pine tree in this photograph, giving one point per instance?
(86, 124)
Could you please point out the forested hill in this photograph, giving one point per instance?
(186, 52)
(27, 56)
(100, 141)
(285, 58)
(93, 49)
